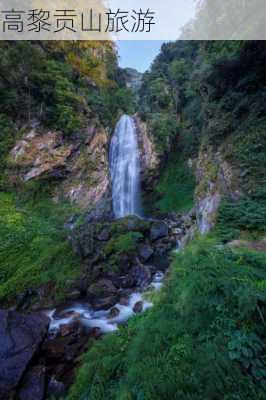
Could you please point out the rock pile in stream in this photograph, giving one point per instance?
(121, 255)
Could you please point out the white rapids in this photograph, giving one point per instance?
(125, 169)
(101, 319)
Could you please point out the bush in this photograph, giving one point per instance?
(248, 214)
(34, 249)
(126, 243)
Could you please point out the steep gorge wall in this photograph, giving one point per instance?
(76, 169)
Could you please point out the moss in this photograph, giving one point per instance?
(133, 224)
(123, 244)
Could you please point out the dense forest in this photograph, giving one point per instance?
(203, 108)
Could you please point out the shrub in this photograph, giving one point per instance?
(34, 249)
(248, 214)
(126, 243)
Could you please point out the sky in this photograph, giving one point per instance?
(138, 54)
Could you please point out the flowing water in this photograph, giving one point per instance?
(125, 169)
(101, 319)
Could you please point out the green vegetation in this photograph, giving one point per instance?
(61, 84)
(202, 340)
(126, 243)
(174, 191)
(244, 216)
(34, 249)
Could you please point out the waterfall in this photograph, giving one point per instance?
(124, 167)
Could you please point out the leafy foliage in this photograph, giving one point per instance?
(34, 249)
(126, 243)
(247, 214)
(61, 83)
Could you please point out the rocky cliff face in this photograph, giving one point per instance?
(149, 158)
(79, 167)
(216, 177)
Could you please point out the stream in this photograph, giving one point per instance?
(103, 319)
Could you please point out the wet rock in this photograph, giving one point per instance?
(70, 328)
(82, 240)
(33, 386)
(103, 288)
(145, 252)
(141, 275)
(74, 295)
(104, 235)
(104, 303)
(114, 312)
(164, 246)
(96, 333)
(138, 307)
(20, 338)
(126, 281)
(207, 210)
(159, 230)
(62, 313)
(124, 301)
(64, 349)
(56, 388)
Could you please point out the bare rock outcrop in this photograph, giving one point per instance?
(20, 338)
(216, 177)
(78, 166)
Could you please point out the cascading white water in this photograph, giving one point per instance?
(124, 167)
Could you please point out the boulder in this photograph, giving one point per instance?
(82, 240)
(159, 230)
(124, 301)
(104, 303)
(20, 338)
(61, 350)
(104, 235)
(71, 328)
(63, 313)
(56, 389)
(73, 295)
(145, 252)
(33, 387)
(96, 333)
(114, 312)
(102, 288)
(141, 275)
(138, 307)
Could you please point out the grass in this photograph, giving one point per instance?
(175, 190)
(203, 339)
(34, 249)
